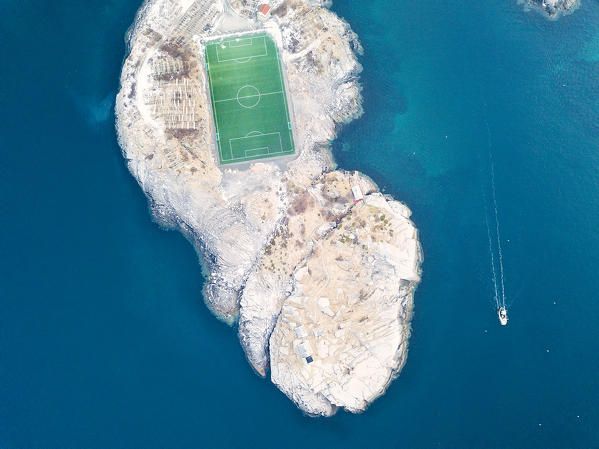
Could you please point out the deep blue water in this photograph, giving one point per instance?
(104, 338)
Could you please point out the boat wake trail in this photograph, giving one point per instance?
(492, 252)
(498, 233)
(498, 286)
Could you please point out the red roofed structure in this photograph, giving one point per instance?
(264, 11)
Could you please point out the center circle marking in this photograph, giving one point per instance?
(248, 96)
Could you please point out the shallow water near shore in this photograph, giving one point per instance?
(105, 340)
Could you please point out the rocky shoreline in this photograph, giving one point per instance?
(321, 285)
(553, 9)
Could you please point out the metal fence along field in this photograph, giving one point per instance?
(248, 98)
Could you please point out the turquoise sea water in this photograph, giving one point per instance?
(105, 341)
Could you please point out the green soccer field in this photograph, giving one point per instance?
(248, 99)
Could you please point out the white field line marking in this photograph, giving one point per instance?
(245, 58)
(252, 106)
(216, 42)
(232, 36)
(249, 58)
(251, 137)
(248, 96)
(241, 158)
(220, 150)
(267, 154)
(285, 98)
(240, 42)
(256, 149)
(282, 85)
(252, 149)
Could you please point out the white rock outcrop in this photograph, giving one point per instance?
(343, 333)
(553, 8)
(322, 287)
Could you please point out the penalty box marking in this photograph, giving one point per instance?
(270, 153)
(244, 58)
(256, 148)
(240, 42)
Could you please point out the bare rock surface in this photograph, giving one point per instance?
(327, 350)
(321, 285)
(554, 8)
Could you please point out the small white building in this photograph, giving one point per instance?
(358, 195)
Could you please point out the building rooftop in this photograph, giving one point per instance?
(264, 9)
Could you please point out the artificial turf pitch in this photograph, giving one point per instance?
(248, 98)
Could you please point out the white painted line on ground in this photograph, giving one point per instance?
(261, 155)
(246, 41)
(248, 96)
(245, 58)
(256, 149)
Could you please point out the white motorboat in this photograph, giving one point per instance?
(502, 313)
